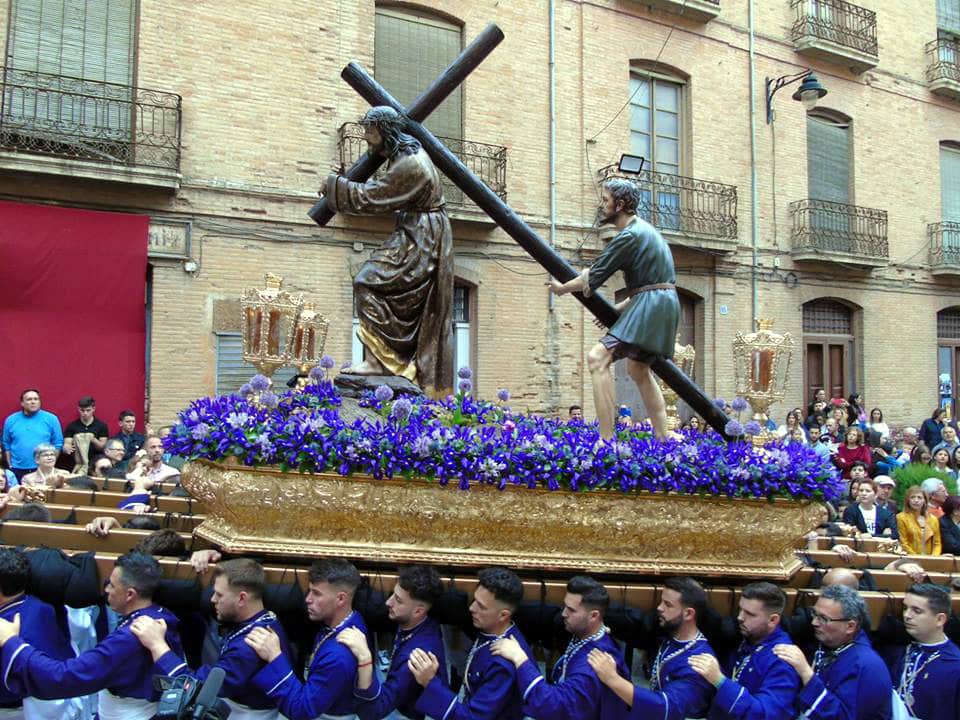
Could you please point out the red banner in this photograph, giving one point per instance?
(72, 316)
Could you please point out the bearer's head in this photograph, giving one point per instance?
(682, 603)
(333, 583)
(495, 600)
(238, 587)
(584, 605)
(133, 582)
(417, 590)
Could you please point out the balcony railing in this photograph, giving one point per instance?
(488, 162)
(683, 205)
(943, 66)
(858, 233)
(837, 22)
(80, 119)
(944, 246)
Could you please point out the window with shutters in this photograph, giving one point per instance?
(463, 338)
(950, 182)
(829, 348)
(828, 173)
(233, 372)
(948, 17)
(656, 131)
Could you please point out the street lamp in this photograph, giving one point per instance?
(809, 92)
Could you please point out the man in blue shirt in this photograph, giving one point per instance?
(575, 692)
(238, 587)
(489, 690)
(676, 691)
(757, 685)
(24, 430)
(331, 668)
(418, 588)
(927, 677)
(118, 667)
(848, 680)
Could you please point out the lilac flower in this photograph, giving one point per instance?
(733, 429)
(720, 402)
(465, 373)
(259, 383)
(752, 428)
(327, 362)
(383, 393)
(503, 395)
(401, 409)
(269, 399)
(739, 404)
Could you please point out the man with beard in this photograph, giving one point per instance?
(238, 587)
(928, 675)
(848, 680)
(418, 588)
(758, 685)
(404, 292)
(649, 307)
(575, 692)
(676, 690)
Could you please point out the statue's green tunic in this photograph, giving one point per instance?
(647, 327)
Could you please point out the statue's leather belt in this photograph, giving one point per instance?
(621, 295)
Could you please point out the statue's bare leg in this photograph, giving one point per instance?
(600, 361)
(651, 396)
(370, 366)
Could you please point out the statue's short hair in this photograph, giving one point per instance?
(626, 192)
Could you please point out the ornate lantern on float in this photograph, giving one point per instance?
(684, 356)
(306, 343)
(761, 363)
(269, 318)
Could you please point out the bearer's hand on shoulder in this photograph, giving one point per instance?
(603, 665)
(707, 667)
(151, 633)
(201, 559)
(264, 642)
(357, 642)
(9, 629)
(423, 666)
(510, 649)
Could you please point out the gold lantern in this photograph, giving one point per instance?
(761, 363)
(269, 318)
(684, 356)
(307, 341)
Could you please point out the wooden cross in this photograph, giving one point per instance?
(501, 213)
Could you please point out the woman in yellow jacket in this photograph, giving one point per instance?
(919, 530)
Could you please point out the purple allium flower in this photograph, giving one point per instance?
(720, 402)
(327, 362)
(503, 395)
(401, 409)
(317, 373)
(383, 393)
(245, 390)
(465, 373)
(752, 428)
(269, 399)
(739, 404)
(259, 383)
(733, 428)
(465, 385)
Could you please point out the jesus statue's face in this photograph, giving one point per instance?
(372, 136)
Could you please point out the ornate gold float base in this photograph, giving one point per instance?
(266, 511)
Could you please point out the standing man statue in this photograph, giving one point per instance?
(649, 315)
(404, 292)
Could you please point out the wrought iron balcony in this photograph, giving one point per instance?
(943, 67)
(836, 30)
(700, 10)
(695, 213)
(91, 123)
(944, 248)
(488, 162)
(835, 232)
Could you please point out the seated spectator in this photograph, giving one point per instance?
(7, 475)
(921, 454)
(838, 411)
(46, 475)
(856, 415)
(790, 423)
(870, 518)
(822, 448)
(113, 452)
(885, 485)
(797, 435)
(100, 468)
(858, 472)
(852, 450)
(128, 435)
(936, 493)
(148, 464)
(950, 526)
(829, 433)
(949, 440)
(886, 460)
(162, 543)
(941, 462)
(30, 512)
(575, 414)
(175, 461)
(82, 482)
(819, 398)
(909, 438)
(919, 529)
(695, 423)
(932, 427)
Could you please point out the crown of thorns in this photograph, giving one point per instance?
(382, 115)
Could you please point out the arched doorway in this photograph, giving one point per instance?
(829, 348)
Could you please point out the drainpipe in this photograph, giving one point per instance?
(553, 137)
(754, 191)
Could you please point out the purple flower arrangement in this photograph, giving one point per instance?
(464, 441)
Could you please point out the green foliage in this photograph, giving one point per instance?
(914, 474)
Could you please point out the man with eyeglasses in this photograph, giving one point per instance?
(848, 680)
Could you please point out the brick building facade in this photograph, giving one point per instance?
(836, 223)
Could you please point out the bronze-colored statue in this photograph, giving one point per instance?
(404, 292)
(649, 314)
